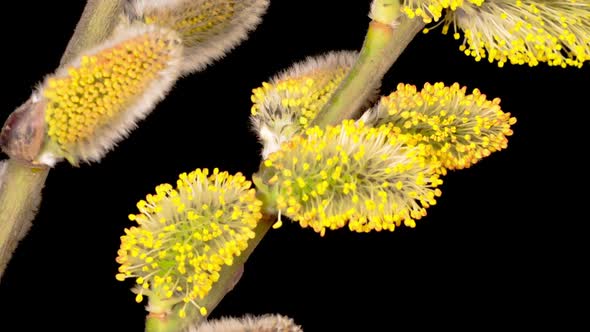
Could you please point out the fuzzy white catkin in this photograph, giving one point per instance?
(203, 46)
(275, 121)
(265, 323)
(135, 108)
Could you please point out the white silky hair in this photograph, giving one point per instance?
(212, 45)
(275, 124)
(265, 323)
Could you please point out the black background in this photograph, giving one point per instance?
(503, 247)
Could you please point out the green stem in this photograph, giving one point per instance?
(165, 323)
(20, 193)
(20, 196)
(383, 45)
(385, 11)
(98, 20)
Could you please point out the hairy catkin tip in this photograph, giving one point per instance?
(265, 323)
(452, 128)
(286, 105)
(208, 28)
(184, 236)
(94, 101)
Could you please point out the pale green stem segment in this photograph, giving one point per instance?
(20, 194)
(98, 20)
(385, 11)
(383, 45)
(167, 323)
(229, 276)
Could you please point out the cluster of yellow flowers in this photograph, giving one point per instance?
(351, 174)
(286, 105)
(525, 31)
(377, 172)
(208, 28)
(186, 234)
(453, 128)
(432, 10)
(90, 103)
(513, 31)
(190, 20)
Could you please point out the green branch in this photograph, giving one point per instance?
(98, 20)
(383, 45)
(385, 11)
(20, 196)
(20, 193)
